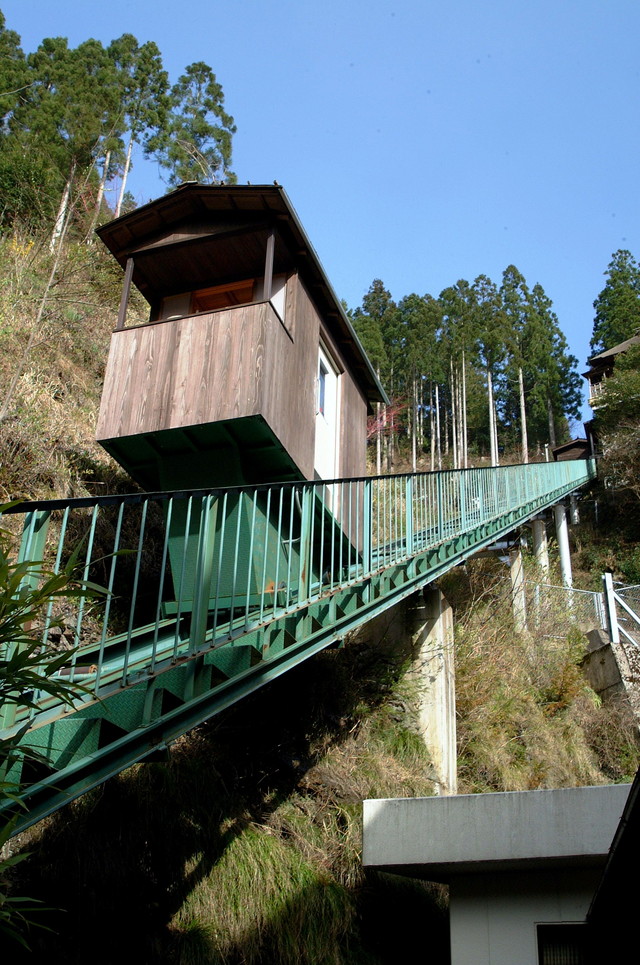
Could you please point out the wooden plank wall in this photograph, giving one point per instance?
(188, 371)
(290, 363)
(228, 365)
(353, 429)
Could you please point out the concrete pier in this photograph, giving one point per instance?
(433, 671)
(518, 595)
(562, 533)
(540, 546)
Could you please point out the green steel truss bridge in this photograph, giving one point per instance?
(211, 594)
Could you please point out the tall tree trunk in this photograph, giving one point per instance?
(552, 425)
(414, 428)
(125, 175)
(454, 413)
(438, 436)
(432, 428)
(385, 439)
(493, 427)
(523, 417)
(100, 195)
(465, 445)
(57, 236)
(446, 433)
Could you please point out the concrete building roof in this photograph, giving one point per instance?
(442, 837)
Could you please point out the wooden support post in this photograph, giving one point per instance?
(268, 264)
(124, 298)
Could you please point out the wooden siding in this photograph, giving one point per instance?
(232, 364)
(289, 397)
(207, 368)
(353, 429)
(352, 438)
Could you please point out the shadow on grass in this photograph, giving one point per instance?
(123, 860)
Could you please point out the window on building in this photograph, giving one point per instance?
(223, 296)
(562, 944)
(228, 295)
(322, 386)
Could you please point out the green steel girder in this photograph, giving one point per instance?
(99, 739)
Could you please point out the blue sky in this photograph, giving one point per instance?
(420, 141)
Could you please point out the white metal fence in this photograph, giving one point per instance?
(622, 605)
(561, 608)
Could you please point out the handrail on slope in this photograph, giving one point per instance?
(192, 569)
(212, 594)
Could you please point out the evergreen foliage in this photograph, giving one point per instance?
(195, 143)
(71, 117)
(475, 371)
(618, 429)
(617, 306)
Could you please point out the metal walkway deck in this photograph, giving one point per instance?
(210, 595)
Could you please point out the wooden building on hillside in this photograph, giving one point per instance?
(601, 368)
(248, 370)
(575, 449)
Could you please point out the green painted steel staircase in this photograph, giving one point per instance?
(211, 594)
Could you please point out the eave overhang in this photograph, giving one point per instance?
(233, 212)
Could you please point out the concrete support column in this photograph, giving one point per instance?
(540, 547)
(433, 669)
(574, 514)
(518, 596)
(562, 533)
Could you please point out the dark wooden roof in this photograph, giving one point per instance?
(604, 361)
(199, 233)
(575, 449)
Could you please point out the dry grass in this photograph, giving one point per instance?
(47, 441)
(526, 715)
(245, 847)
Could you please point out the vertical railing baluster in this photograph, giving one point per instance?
(204, 573)
(183, 570)
(304, 576)
(163, 568)
(279, 550)
(367, 522)
(250, 573)
(107, 608)
(85, 577)
(236, 553)
(295, 497)
(134, 593)
(221, 531)
(408, 499)
(265, 557)
(324, 516)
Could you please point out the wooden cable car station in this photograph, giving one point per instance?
(248, 370)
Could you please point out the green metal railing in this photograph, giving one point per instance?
(211, 594)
